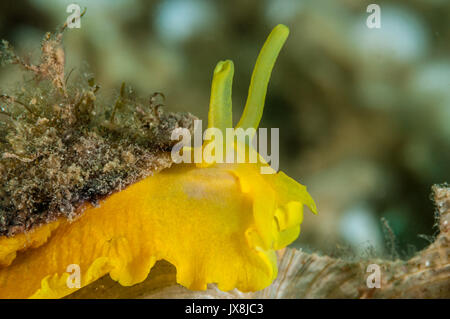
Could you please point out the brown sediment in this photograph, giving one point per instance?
(61, 144)
(425, 275)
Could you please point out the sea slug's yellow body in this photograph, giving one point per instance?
(216, 223)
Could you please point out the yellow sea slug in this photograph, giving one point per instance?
(215, 222)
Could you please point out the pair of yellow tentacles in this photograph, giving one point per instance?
(218, 223)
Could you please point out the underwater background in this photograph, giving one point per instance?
(363, 113)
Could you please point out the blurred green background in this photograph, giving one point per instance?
(363, 113)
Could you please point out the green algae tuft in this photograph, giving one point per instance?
(62, 144)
